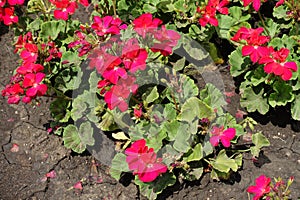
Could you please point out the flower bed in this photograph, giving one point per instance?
(134, 77)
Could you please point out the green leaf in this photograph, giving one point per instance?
(72, 139)
(189, 88)
(194, 49)
(78, 108)
(86, 133)
(193, 108)
(259, 140)
(149, 8)
(51, 29)
(152, 96)
(179, 65)
(280, 13)
(282, 95)
(238, 63)
(182, 138)
(71, 57)
(225, 22)
(118, 165)
(295, 109)
(169, 154)
(254, 102)
(223, 163)
(195, 155)
(172, 129)
(213, 97)
(273, 27)
(169, 112)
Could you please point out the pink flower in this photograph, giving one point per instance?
(261, 188)
(15, 148)
(279, 3)
(51, 174)
(219, 134)
(78, 186)
(146, 24)
(33, 83)
(256, 4)
(107, 25)
(143, 161)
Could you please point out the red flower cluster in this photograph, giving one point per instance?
(116, 60)
(210, 10)
(148, 27)
(261, 188)
(64, 8)
(143, 161)
(7, 11)
(27, 82)
(218, 134)
(118, 84)
(275, 61)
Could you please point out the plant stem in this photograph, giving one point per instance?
(263, 22)
(114, 7)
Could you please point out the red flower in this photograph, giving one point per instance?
(133, 56)
(168, 40)
(84, 2)
(262, 187)
(2, 3)
(119, 93)
(245, 33)
(107, 25)
(254, 40)
(13, 92)
(30, 53)
(146, 24)
(64, 8)
(219, 134)
(256, 4)
(138, 112)
(144, 162)
(15, 2)
(33, 82)
(220, 6)
(208, 16)
(276, 63)
(30, 68)
(22, 40)
(8, 16)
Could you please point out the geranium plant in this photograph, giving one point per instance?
(134, 78)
